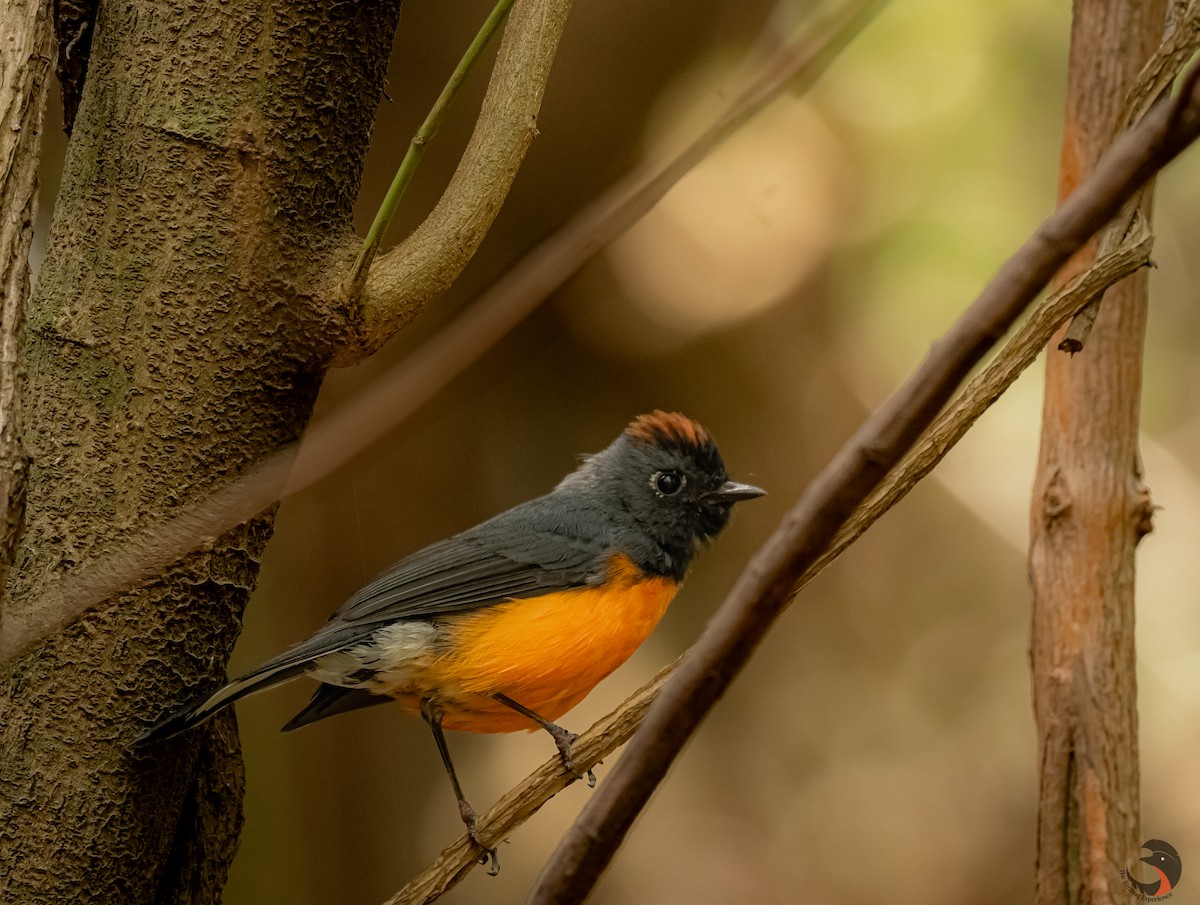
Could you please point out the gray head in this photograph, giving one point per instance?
(667, 476)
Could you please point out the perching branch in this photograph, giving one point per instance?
(401, 282)
(770, 581)
(525, 799)
(25, 55)
(457, 860)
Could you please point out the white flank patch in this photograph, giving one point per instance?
(387, 654)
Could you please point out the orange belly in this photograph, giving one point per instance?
(546, 653)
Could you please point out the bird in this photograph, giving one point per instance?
(508, 625)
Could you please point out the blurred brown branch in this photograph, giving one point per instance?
(772, 577)
(457, 860)
(334, 441)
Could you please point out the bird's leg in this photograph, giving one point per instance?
(562, 738)
(471, 819)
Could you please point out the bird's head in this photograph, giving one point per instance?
(1164, 857)
(667, 476)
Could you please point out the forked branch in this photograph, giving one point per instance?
(402, 281)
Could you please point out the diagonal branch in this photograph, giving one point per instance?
(771, 579)
(401, 282)
(609, 733)
(985, 388)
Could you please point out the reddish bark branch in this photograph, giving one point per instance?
(1089, 508)
(1181, 41)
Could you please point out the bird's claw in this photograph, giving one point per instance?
(489, 854)
(471, 820)
(563, 741)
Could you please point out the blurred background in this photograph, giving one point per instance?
(880, 747)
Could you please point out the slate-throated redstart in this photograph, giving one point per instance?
(510, 624)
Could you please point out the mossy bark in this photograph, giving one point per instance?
(179, 332)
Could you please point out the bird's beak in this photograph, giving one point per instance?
(733, 492)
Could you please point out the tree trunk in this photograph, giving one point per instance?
(1089, 511)
(178, 333)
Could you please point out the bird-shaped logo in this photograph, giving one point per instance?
(1165, 861)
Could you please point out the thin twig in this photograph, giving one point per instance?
(416, 148)
(771, 579)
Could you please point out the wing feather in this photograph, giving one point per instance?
(536, 548)
(528, 551)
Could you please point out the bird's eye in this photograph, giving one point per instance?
(667, 483)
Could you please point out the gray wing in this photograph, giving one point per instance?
(537, 548)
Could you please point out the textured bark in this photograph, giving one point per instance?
(24, 61)
(178, 333)
(1089, 511)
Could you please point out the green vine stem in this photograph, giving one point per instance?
(416, 148)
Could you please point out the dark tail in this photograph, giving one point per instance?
(332, 699)
(201, 709)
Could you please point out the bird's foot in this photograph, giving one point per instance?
(471, 820)
(563, 740)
